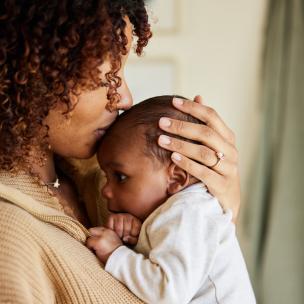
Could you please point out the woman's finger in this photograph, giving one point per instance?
(197, 152)
(206, 114)
(196, 132)
(208, 176)
(223, 167)
(200, 153)
(198, 99)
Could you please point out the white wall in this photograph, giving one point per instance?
(215, 52)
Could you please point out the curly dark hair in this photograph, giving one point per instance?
(50, 50)
(143, 119)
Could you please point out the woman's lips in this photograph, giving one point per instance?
(100, 133)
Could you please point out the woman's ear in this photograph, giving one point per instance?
(178, 179)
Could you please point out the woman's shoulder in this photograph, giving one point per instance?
(12, 215)
(18, 228)
(22, 267)
(43, 260)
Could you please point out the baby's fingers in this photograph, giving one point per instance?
(118, 226)
(136, 226)
(131, 240)
(92, 242)
(110, 222)
(127, 225)
(97, 231)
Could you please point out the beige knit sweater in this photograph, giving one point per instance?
(43, 258)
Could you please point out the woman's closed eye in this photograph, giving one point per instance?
(104, 84)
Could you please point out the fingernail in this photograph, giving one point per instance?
(165, 122)
(165, 140)
(176, 156)
(125, 239)
(178, 101)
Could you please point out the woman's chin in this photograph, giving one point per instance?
(85, 152)
(88, 153)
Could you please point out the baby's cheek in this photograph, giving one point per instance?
(137, 207)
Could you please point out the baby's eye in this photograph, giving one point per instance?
(120, 177)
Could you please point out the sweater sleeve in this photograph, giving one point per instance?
(184, 242)
(22, 270)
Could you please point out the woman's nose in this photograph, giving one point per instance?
(126, 100)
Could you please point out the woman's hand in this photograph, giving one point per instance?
(201, 161)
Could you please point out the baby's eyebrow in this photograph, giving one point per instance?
(114, 164)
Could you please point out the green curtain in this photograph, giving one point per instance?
(274, 216)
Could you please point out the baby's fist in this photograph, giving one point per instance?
(103, 241)
(126, 226)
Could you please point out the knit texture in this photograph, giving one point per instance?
(43, 258)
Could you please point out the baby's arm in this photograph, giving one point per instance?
(183, 244)
(119, 228)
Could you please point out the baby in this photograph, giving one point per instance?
(187, 250)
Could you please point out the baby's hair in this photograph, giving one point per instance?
(146, 114)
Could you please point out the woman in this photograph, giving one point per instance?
(61, 86)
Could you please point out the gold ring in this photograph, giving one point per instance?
(220, 156)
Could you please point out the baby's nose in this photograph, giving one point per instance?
(107, 192)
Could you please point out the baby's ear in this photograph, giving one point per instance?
(178, 179)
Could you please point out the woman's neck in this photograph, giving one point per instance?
(66, 193)
(47, 171)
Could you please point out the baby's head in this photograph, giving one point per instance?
(140, 174)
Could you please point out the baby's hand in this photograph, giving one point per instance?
(126, 226)
(103, 241)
